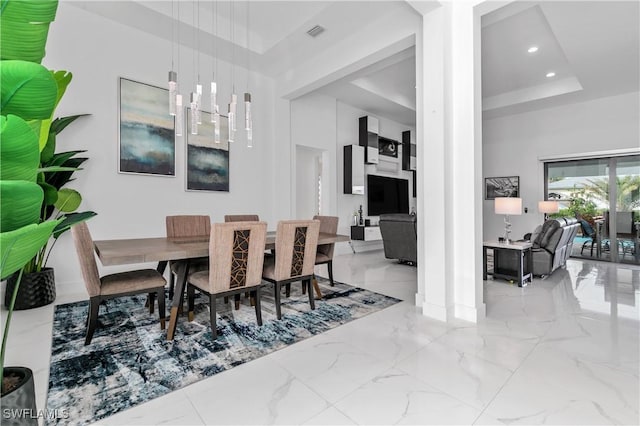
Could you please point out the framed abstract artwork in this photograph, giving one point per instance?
(207, 161)
(501, 187)
(146, 133)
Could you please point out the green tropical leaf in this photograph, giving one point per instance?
(62, 78)
(24, 26)
(28, 90)
(60, 123)
(20, 203)
(18, 149)
(50, 193)
(61, 178)
(61, 158)
(39, 11)
(70, 220)
(51, 169)
(68, 200)
(49, 148)
(19, 246)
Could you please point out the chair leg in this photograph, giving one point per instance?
(172, 283)
(212, 310)
(236, 300)
(256, 295)
(312, 302)
(161, 308)
(304, 290)
(330, 268)
(287, 290)
(152, 301)
(276, 296)
(92, 321)
(191, 295)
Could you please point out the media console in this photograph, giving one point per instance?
(366, 233)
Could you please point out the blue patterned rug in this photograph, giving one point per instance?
(129, 360)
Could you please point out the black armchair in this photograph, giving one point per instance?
(399, 237)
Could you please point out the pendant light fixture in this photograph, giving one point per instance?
(234, 99)
(198, 85)
(173, 76)
(215, 109)
(193, 100)
(248, 121)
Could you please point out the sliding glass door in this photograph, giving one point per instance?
(610, 230)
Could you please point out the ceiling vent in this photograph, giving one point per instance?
(315, 31)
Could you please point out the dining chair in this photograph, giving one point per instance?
(236, 256)
(184, 226)
(324, 254)
(241, 218)
(294, 258)
(113, 285)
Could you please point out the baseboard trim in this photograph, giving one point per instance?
(469, 313)
(436, 312)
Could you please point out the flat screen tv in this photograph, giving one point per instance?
(387, 195)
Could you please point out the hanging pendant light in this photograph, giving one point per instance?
(232, 119)
(194, 113)
(199, 102)
(173, 91)
(214, 101)
(179, 115)
(248, 125)
(173, 76)
(248, 120)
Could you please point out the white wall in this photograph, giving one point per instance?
(98, 51)
(512, 146)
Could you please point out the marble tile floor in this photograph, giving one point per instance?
(564, 350)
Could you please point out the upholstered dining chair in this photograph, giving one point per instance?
(236, 256)
(179, 226)
(113, 285)
(241, 218)
(324, 254)
(294, 259)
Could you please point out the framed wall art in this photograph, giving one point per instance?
(207, 161)
(501, 187)
(146, 133)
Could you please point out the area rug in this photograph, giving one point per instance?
(129, 360)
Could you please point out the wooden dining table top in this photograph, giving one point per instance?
(142, 250)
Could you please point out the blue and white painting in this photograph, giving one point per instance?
(207, 161)
(147, 141)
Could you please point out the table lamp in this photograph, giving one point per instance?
(547, 207)
(507, 206)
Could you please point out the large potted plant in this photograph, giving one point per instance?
(56, 170)
(28, 96)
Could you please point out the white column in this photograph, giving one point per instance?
(433, 292)
(450, 163)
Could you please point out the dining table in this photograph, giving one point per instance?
(166, 249)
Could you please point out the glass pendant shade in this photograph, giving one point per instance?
(216, 129)
(199, 103)
(247, 111)
(233, 109)
(173, 91)
(232, 120)
(194, 113)
(214, 102)
(179, 115)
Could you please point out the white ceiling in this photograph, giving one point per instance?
(592, 46)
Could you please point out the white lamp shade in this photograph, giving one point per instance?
(548, 206)
(508, 205)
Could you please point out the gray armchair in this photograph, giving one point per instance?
(399, 237)
(552, 244)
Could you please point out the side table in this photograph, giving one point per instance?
(524, 264)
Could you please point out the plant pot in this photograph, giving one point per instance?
(19, 404)
(36, 289)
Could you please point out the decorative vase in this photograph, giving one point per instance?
(36, 289)
(19, 403)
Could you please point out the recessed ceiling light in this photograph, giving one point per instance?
(532, 49)
(315, 31)
(551, 74)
